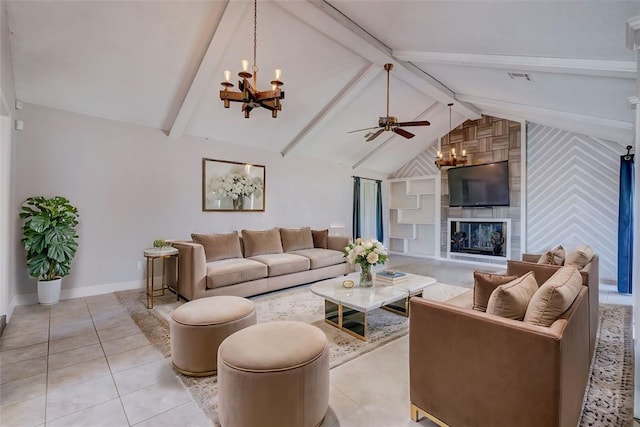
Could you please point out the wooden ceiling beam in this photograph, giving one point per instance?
(325, 18)
(232, 17)
(337, 104)
(585, 67)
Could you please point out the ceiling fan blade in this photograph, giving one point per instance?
(360, 130)
(375, 135)
(415, 123)
(403, 132)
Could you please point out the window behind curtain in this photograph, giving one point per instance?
(368, 198)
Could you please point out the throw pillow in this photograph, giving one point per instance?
(320, 238)
(484, 284)
(580, 256)
(553, 257)
(261, 242)
(219, 246)
(554, 297)
(511, 299)
(294, 239)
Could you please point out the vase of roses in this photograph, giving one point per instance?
(235, 186)
(366, 253)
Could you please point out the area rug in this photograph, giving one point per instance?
(292, 304)
(608, 399)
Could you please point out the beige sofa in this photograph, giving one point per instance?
(469, 368)
(258, 261)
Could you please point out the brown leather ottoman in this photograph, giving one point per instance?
(199, 326)
(274, 374)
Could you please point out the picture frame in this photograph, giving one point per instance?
(232, 186)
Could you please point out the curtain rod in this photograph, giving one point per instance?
(362, 177)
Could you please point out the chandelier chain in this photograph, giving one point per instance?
(255, 33)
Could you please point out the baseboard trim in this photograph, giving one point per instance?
(81, 292)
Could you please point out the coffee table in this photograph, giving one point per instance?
(347, 308)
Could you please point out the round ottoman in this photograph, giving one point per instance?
(199, 326)
(274, 374)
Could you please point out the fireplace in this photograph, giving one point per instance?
(479, 238)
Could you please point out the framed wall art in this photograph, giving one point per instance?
(232, 186)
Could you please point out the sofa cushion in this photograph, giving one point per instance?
(320, 238)
(279, 264)
(554, 297)
(511, 299)
(554, 256)
(261, 242)
(234, 270)
(484, 284)
(579, 257)
(294, 239)
(219, 246)
(321, 257)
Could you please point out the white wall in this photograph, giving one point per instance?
(133, 185)
(7, 100)
(572, 194)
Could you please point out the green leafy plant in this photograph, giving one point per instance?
(496, 239)
(49, 236)
(159, 243)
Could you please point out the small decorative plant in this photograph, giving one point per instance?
(160, 243)
(50, 238)
(496, 239)
(458, 238)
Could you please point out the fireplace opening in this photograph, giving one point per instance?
(479, 237)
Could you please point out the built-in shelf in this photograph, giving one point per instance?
(414, 215)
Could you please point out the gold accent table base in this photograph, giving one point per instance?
(151, 255)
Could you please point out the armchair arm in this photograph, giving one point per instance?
(469, 368)
(192, 272)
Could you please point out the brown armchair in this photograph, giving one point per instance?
(468, 368)
(542, 273)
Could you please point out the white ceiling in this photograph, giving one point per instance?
(159, 64)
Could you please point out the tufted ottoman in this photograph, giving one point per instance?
(274, 374)
(199, 326)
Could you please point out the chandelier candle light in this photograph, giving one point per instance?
(453, 160)
(248, 94)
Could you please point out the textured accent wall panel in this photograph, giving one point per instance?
(572, 193)
(486, 140)
(422, 165)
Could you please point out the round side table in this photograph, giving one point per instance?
(151, 255)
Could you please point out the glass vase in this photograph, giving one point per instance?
(366, 277)
(238, 204)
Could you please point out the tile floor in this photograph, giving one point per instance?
(84, 362)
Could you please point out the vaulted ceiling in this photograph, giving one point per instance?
(159, 64)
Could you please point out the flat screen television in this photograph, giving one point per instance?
(479, 185)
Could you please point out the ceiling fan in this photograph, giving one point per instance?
(390, 123)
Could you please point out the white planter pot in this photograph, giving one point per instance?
(49, 291)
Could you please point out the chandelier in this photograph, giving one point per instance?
(453, 160)
(248, 94)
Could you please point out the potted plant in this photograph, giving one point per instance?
(457, 240)
(496, 241)
(50, 242)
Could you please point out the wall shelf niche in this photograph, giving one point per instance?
(414, 215)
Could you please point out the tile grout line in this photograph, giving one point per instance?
(109, 365)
